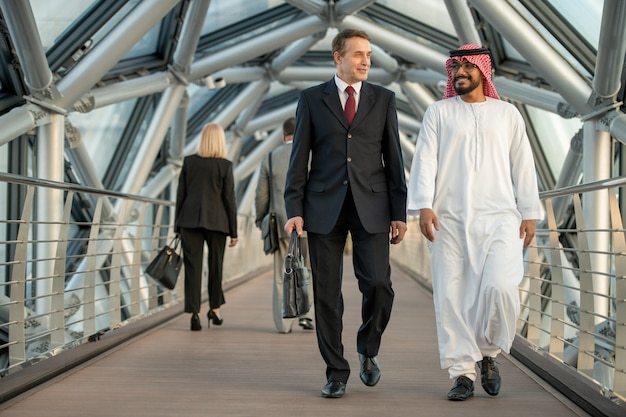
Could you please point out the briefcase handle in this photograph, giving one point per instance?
(294, 245)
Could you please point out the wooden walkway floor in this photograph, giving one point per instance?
(245, 368)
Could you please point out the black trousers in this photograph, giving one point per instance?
(193, 251)
(371, 267)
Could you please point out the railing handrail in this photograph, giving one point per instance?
(581, 188)
(24, 180)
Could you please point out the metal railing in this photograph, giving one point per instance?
(574, 292)
(65, 282)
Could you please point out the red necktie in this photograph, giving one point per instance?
(350, 109)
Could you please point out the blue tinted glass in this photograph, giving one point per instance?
(54, 16)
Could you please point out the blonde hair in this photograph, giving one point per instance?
(213, 142)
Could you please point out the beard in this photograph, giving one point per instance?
(461, 91)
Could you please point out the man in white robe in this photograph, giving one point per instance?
(474, 186)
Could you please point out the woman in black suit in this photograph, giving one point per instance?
(206, 211)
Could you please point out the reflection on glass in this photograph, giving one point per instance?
(198, 97)
(132, 154)
(576, 14)
(225, 12)
(585, 17)
(554, 134)
(114, 21)
(101, 130)
(432, 13)
(53, 17)
(146, 45)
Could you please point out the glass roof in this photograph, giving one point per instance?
(226, 12)
(53, 18)
(431, 13)
(585, 17)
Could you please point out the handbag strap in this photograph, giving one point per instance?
(271, 180)
(175, 243)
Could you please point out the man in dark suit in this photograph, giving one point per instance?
(355, 183)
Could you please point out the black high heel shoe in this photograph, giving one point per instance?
(195, 322)
(213, 318)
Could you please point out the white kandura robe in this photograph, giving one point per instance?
(473, 166)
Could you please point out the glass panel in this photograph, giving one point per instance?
(585, 17)
(146, 45)
(137, 140)
(432, 13)
(54, 16)
(545, 34)
(101, 130)
(197, 97)
(225, 12)
(554, 134)
(511, 53)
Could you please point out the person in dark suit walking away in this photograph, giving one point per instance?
(355, 184)
(264, 199)
(206, 211)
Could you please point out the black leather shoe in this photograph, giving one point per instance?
(195, 322)
(306, 324)
(370, 373)
(463, 389)
(334, 389)
(490, 376)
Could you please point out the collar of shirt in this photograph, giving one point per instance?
(343, 96)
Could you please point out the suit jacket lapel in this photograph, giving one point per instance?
(366, 102)
(331, 98)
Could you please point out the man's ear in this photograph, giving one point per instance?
(336, 57)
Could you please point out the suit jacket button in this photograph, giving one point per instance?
(345, 182)
(349, 135)
(349, 159)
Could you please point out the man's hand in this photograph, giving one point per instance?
(295, 223)
(397, 231)
(527, 231)
(428, 221)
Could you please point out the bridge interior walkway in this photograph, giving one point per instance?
(245, 368)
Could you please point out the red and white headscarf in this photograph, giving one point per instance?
(478, 56)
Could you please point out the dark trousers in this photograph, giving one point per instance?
(371, 267)
(193, 250)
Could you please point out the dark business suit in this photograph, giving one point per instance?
(206, 211)
(355, 184)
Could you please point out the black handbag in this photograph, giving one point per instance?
(269, 226)
(166, 265)
(296, 281)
